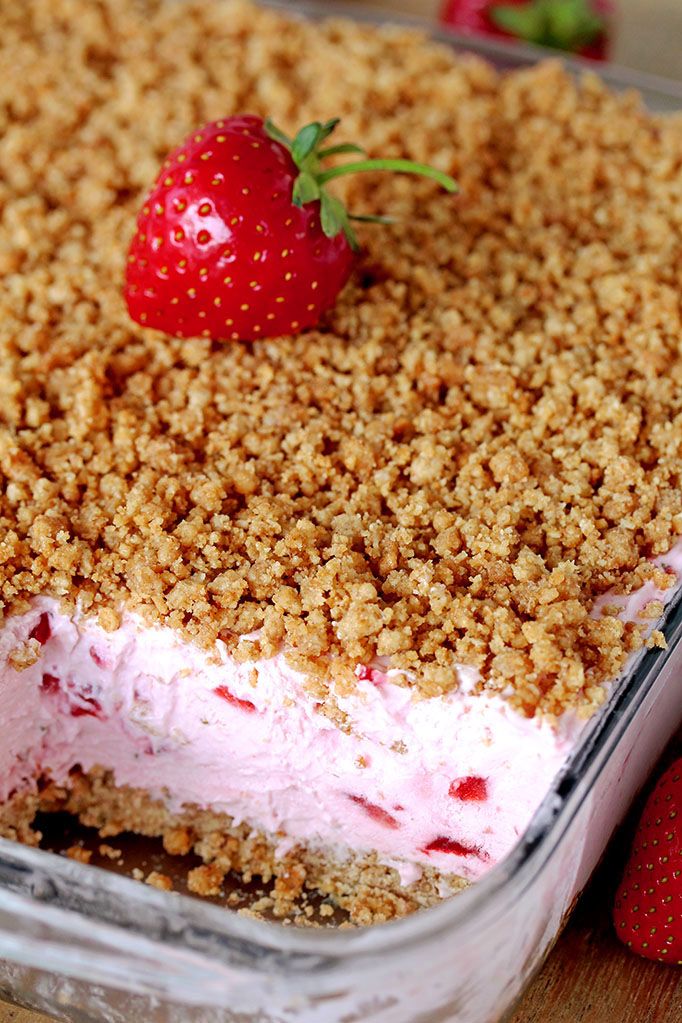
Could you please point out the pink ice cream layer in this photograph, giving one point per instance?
(449, 782)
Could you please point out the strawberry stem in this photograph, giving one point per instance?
(309, 186)
(399, 166)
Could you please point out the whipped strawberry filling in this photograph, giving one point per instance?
(449, 782)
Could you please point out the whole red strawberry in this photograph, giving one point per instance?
(648, 907)
(239, 237)
(577, 26)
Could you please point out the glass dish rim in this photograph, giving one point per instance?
(215, 927)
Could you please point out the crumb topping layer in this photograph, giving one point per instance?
(484, 436)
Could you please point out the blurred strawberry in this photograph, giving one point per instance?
(648, 908)
(576, 26)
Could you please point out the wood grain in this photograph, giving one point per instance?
(591, 978)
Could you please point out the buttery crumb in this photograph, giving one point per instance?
(206, 880)
(261, 906)
(110, 852)
(78, 853)
(24, 655)
(652, 611)
(288, 886)
(657, 640)
(109, 619)
(481, 438)
(178, 841)
(158, 880)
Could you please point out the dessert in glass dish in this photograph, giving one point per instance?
(331, 608)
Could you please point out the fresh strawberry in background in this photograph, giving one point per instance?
(648, 907)
(577, 26)
(239, 237)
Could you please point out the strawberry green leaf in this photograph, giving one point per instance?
(273, 132)
(334, 219)
(560, 24)
(344, 147)
(524, 22)
(306, 189)
(306, 142)
(328, 128)
(368, 218)
(575, 24)
(332, 215)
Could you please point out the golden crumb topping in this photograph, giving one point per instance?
(484, 435)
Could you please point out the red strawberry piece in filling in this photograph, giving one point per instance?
(79, 701)
(82, 701)
(375, 812)
(240, 239)
(50, 683)
(41, 631)
(236, 701)
(89, 708)
(98, 658)
(367, 674)
(443, 844)
(471, 789)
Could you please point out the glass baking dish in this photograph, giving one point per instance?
(87, 945)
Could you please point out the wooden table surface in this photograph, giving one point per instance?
(589, 977)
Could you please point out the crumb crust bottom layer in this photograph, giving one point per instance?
(367, 891)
